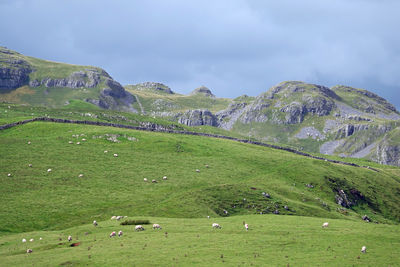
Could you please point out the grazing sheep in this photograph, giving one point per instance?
(95, 223)
(197, 170)
(105, 151)
(40, 238)
(154, 181)
(120, 233)
(145, 179)
(139, 228)
(83, 139)
(70, 142)
(29, 165)
(9, 175)
(207, 166)
(23, 240)
(69, 238)
(119, 218)
(78, 143)
(29, 250)
(112, 234)
(31, 240)
(246, 226)
(364, 249)
(29, 142)
(49, 170)
(80, 175)
(216, 225)
(115, 155)
(156, 226)
(113, 217)
(164, 178)
(325, 224)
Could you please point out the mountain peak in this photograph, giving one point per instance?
(202, 90)
(154, 86)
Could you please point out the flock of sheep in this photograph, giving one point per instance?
(140, 227)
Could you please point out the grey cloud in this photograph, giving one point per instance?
(233, 47)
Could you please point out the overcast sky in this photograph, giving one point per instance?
(234, 47)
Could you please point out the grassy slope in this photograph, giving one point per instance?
(177, 102)
(115, 185)
(52, 97)
(271, 241)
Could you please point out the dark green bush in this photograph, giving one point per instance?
(135, 222)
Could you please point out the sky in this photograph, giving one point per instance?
(234, 47)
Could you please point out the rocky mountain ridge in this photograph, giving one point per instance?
(340, 120)
(61, 81)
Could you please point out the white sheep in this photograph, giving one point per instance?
(105, 151)
(29, 165)
(83, 139)
(40, 238)
(164, 178)
(9, 175)
(207, 166)
(197, 170)
(154, 181)
(120, 233)
(112, 234)
(119, 218)
(23, 240)
(246, 226)
(80, 175)
(29, 142)
(31, 240)
(115, 155)
(69, 238)
(29, 250)
(156, 226)
(78, 143)
(113, 217)
(95, 223)
(216, 225)
(49, 170)
(364, 249)
(325, 224)
(139, 228)
(70, 142)
(145, 179)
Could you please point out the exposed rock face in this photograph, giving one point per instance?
(155, 86)
(198, 117)
(386, 153)
(79, 79)
(115, 97)
(14, 72)
(12, 78)
(227, 118)
(202, 90)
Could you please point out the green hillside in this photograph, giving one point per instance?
(230, 186)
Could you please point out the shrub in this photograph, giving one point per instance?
(135, 222)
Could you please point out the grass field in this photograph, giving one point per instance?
(271, 241)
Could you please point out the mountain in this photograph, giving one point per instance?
(35, 81)
(340, 120)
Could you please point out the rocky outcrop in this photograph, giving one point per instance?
(14, 72)
(114, 97)
(158, 87)
(198, 117)
(228, 117)
(387, 153)
(88, 78)
(202, 90)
